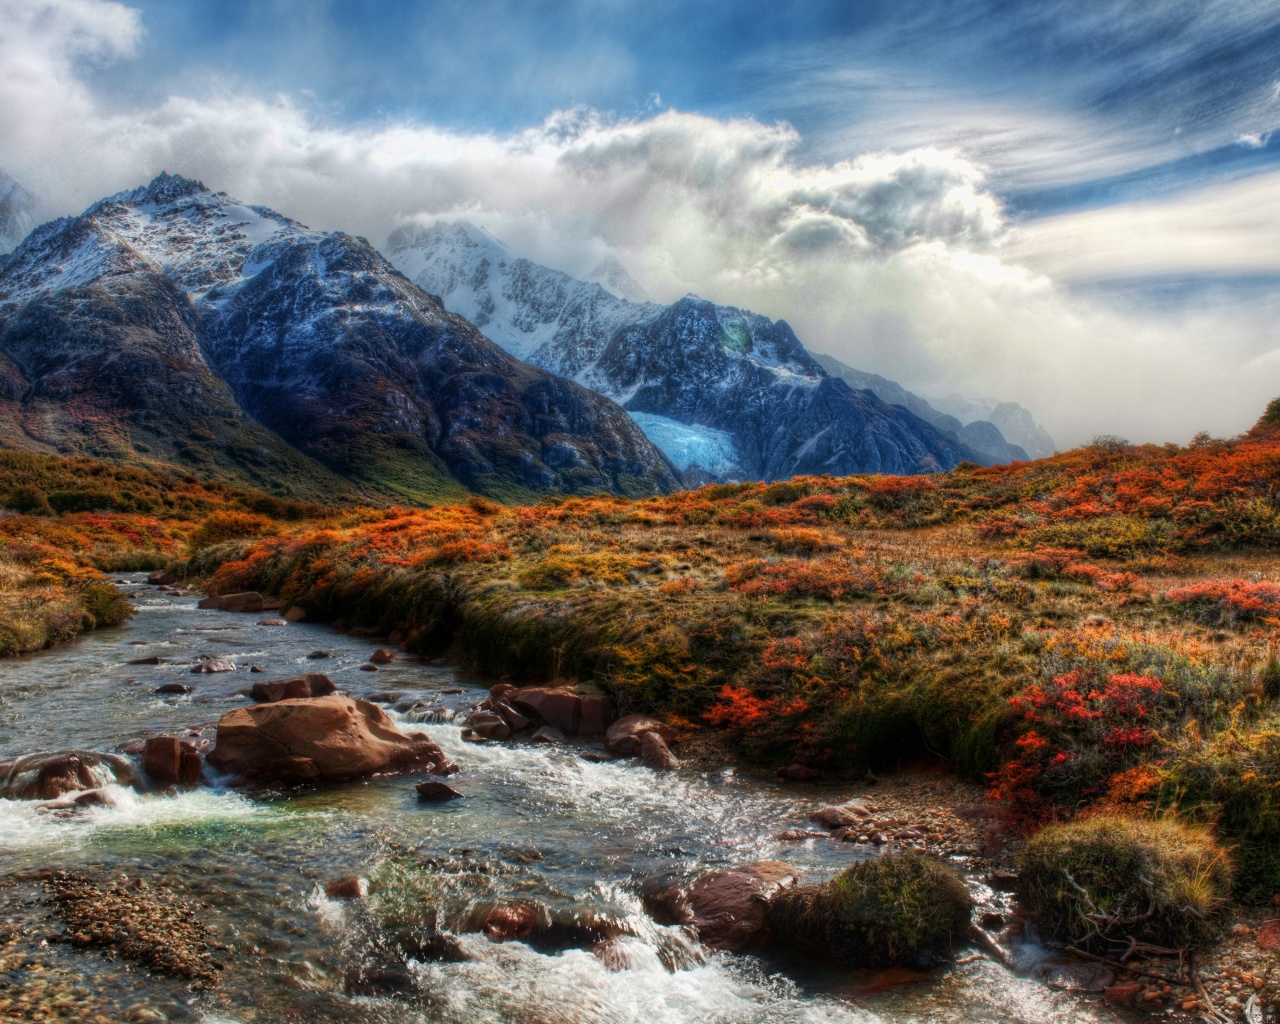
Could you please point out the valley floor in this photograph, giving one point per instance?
(1090, 633)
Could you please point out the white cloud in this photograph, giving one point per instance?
(1231, 228)
(897, 262)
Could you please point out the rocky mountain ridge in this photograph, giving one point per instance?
(176, 324)
(726, 393)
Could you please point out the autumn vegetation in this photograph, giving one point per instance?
(1093, 634)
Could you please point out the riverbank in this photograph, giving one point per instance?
(553, 825)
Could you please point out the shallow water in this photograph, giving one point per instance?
(539, 823)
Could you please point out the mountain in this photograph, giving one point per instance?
(1001, 431)
(171, 323)
(725, 392)
(612, 276)
(17, 212)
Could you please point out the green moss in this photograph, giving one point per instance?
(1104, 880)
(894, 910)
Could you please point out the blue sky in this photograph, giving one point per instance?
(1074, 204)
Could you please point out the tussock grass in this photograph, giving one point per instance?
(1100, 881)
(894, 910)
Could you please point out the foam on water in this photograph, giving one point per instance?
(26, 826)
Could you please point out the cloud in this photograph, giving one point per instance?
(1225, 228)
(899, 262)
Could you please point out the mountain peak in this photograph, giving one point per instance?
(163, 188)
(612, 276)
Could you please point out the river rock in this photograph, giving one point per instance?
(320, 655)
(310, 684)
(153, 660)
(516, 722)
(596, 715)
(498, 691)
(384, 696)
(248, 601)
(273, 622)
(798, 773)
(726, 909)
(382, 656)
(173, 688)
(295, 614)
(78, 801)
(347, 889)
(208, 664)
(436, 792)
(333, 737)
(510, 922)
(162, 577)
(489, 726)
(622, 738)
(168, 762)
(655, 754)
(49, 776)
(546, 734)
(368, 666)
(556, 708)
(853, 812)
(1079, 977)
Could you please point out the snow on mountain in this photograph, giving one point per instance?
(612, 276)
(702, 365)
(319, 339)
(17, 212)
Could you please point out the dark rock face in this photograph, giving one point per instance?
(738, 383)
(207, 331)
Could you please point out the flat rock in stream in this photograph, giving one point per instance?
(50, 776)
(321, 738)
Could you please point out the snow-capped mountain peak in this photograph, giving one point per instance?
(612, 276)
(724, 392)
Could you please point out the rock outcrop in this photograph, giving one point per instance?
(319, 739)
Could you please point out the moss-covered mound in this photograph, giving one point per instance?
(1109, 878)
(895, 910)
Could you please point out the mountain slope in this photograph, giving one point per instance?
(727, 392)
(17, 212)
(320, 352)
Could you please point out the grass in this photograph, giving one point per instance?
(1102, 880)
(894, 910)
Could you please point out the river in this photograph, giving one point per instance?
(545, 823)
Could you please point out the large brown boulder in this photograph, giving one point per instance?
(49, 776)
(623, 737)
(321, 738)
(557, 708)
(655, 754)
(312, 684)
(168, 761)
(726, 909)
(249, 601)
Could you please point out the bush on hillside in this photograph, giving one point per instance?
(893, 910)
(1108, 879)
(29, 500)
